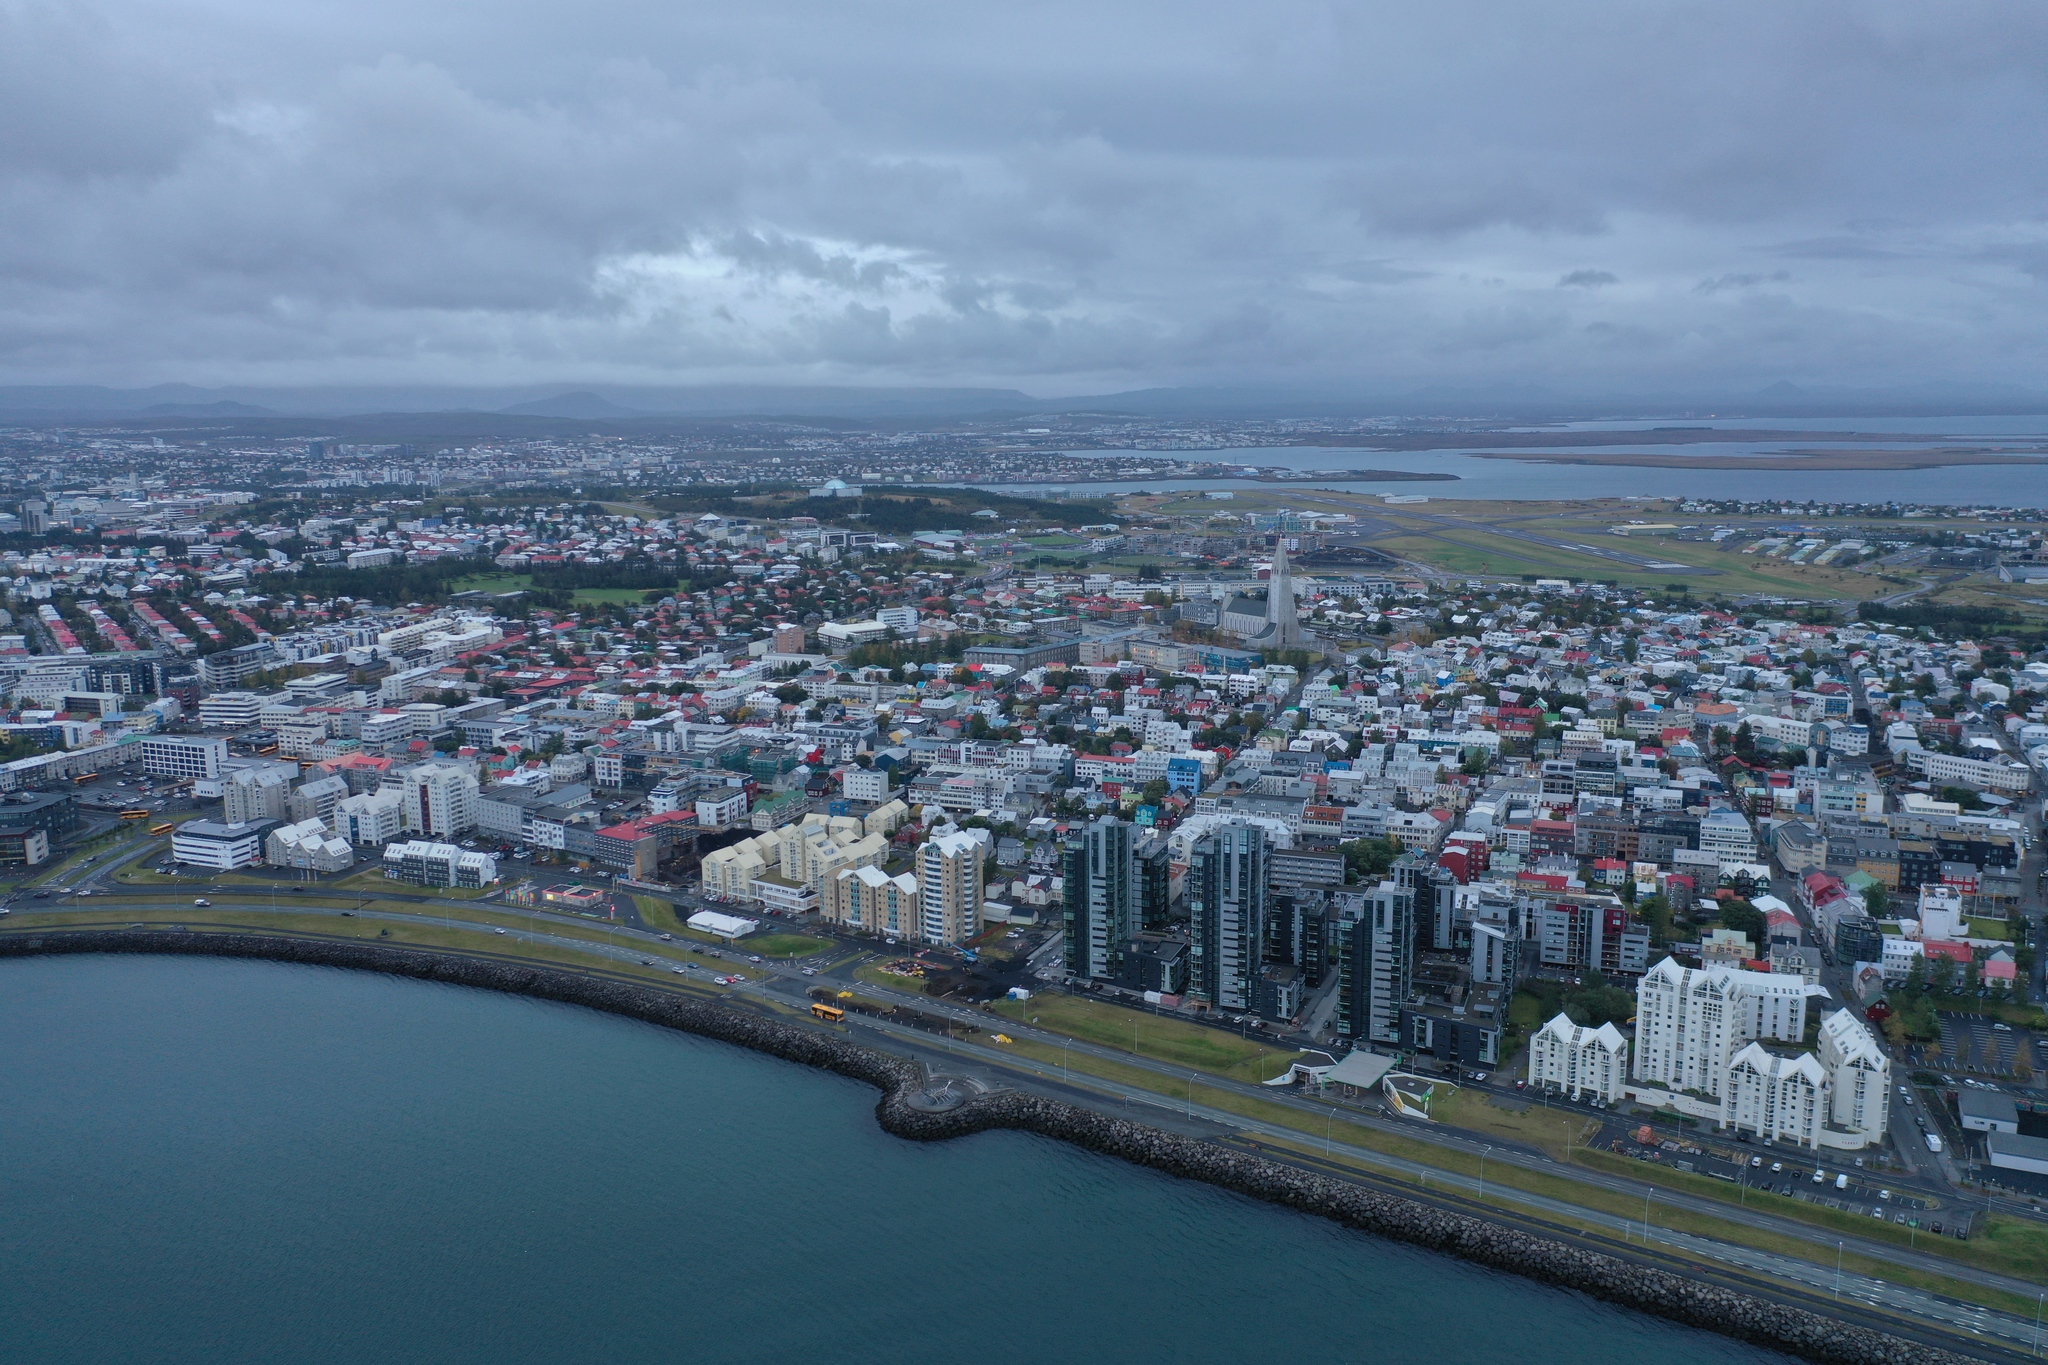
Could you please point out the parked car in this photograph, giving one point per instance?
(203, 903)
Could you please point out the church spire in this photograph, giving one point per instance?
(1285, 625)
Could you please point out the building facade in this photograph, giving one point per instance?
(950, 887)
(1101, 890)
(1227, 913)
(1576, 1061)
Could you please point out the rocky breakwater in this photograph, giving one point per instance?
(911, 1108)
(1645, 1288)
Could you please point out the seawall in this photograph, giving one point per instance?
(1781, 1327)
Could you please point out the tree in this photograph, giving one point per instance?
(1368, 859)
(1746, 918)
(1876, 899)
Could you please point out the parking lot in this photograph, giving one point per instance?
(1970, 1042)
(1776, 1169)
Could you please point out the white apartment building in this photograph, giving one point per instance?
(870, 899)
(1578, 1061)
(1726, 835)
(371, 818)
(950, 887)
(1781, 1098)
(440, 799)
(256, 794)
(866, 784)
(230, 710)
(1859, 1077)
(222, 848)
(184, 757)
(308, 846)
(1691, 1022)
(722, 810)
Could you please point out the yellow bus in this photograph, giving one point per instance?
(165, 828)
(84, 778)
(142, 814)
(267, 751)
(831, 1014)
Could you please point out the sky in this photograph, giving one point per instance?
(1066, 198)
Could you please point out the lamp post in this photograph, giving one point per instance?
(1838, 1273)
(1484, 1152)
(1191, 1094)
(1065, 1073)
(1327, 1125)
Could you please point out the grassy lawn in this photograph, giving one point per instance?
(1525, 1011)
(371, 881)
(426, 934)
(1165, 1040)
(871, 974)
(784, 945)
(514, 582)
(659, 914)
(1547, 1130)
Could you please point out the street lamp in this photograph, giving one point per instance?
(1838, 1273)
(1191, 1094)
(1483, 1153)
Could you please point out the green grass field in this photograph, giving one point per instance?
(1150, 1035)
(515, 582)
(784, 945)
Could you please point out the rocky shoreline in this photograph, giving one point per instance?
(906, 1110)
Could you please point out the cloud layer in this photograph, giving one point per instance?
(1064, 197)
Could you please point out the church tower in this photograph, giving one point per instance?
(1283, 626)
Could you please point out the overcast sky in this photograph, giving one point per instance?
(1064, 197)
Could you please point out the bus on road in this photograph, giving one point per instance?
(831, 1014)
(84, 778)
(165, 828)
(139, 814)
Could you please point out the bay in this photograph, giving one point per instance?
(2025, 486)
(219, 1162)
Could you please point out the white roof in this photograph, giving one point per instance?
(1360, 1068)
(725, 926)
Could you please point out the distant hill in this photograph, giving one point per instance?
(580, 404)
(224, 408)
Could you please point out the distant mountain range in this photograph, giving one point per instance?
(641, 407)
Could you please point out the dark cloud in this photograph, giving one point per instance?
(1064, 198)
(1745, 280)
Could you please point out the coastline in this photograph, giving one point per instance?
(904, 1111)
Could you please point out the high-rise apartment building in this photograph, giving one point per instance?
(440, 799)
(1690, 1022)
(1227, 912)
(1101, 890)
(1378, 967)
(950, 887)
(1154, 858)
